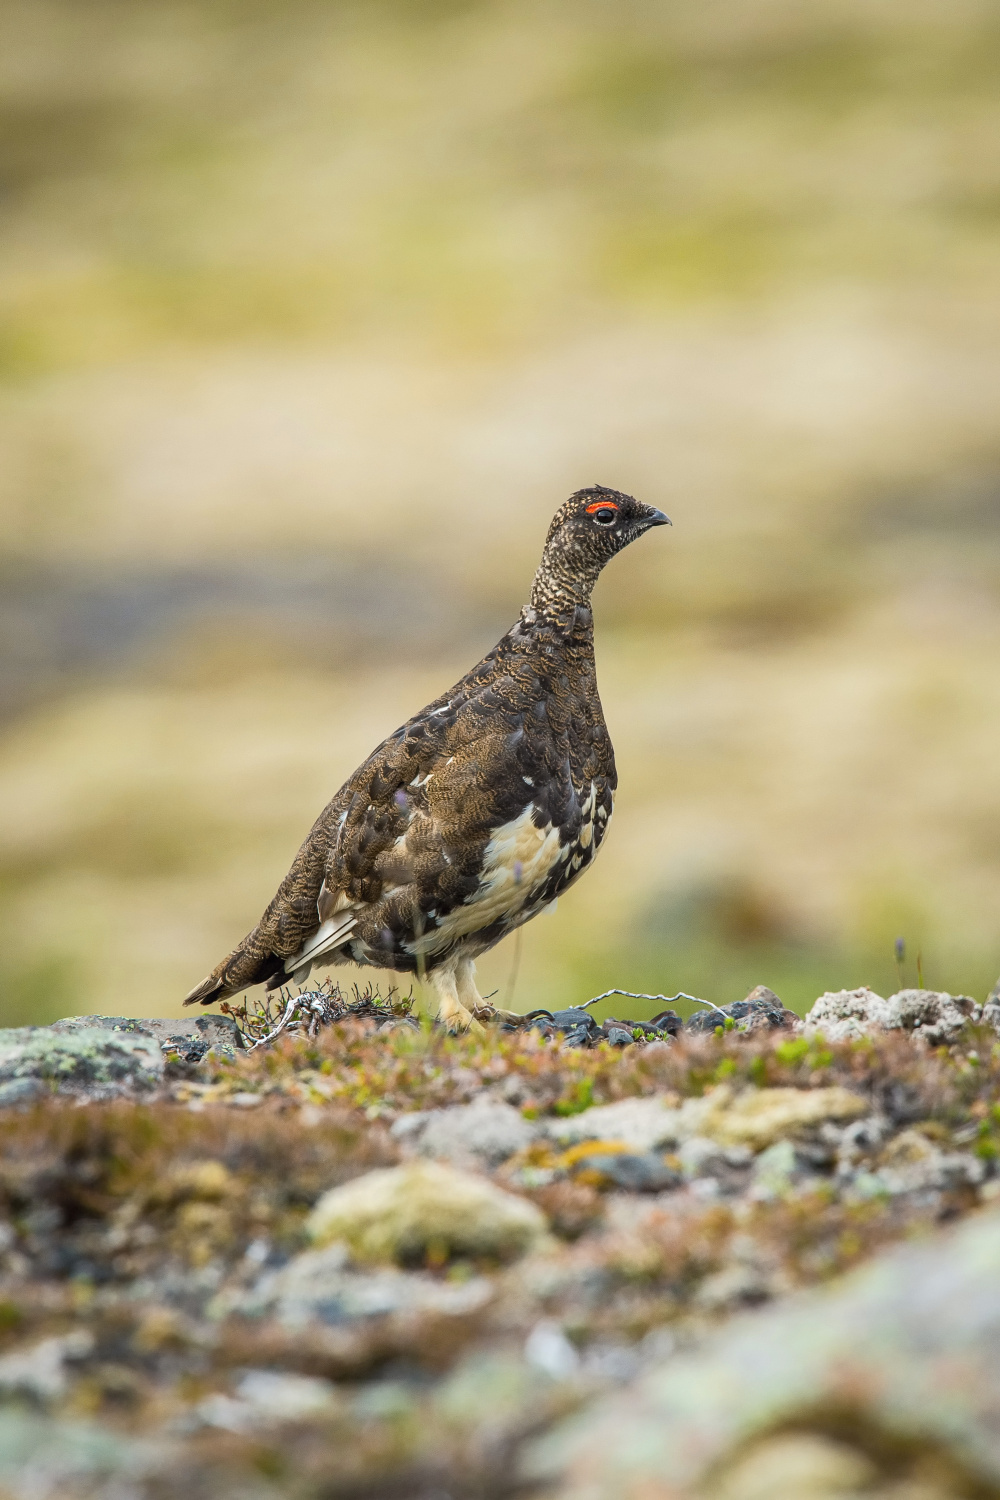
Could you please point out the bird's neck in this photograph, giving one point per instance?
(560, 589)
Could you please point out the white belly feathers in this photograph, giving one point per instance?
(519, 857)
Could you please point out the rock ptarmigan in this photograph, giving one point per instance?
(477, 813)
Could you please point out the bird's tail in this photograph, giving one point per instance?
(247, 965)
(288, 922)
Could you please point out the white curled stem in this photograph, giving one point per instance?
(667, 999)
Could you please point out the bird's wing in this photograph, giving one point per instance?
(455, 819)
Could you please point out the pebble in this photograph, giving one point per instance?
(759, 1117)
(322, 1286)
(755, 1118)
(487, 1131)
(643, 1124)
(40, 1371)
(423, 1208)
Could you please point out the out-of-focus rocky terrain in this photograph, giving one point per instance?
(745, 1257)
(310, 316)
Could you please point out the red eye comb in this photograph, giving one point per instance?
(601, 505)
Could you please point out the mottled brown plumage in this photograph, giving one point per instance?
(477, 813)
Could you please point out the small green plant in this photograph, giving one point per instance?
(578, 1098)
(791, 1052)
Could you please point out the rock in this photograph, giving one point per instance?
(321, 1286)
(760, 1011)
(492, 1397)
(911, 1163)
(905, 1353)
(775, 1171)
(846, 1015)
(46, 1459)
(701, 1157)
(189, 1038)
(281, 1397)
(932, 1014)
(630, 1173)
(86, 1061)
(759, 1117)
(576, 1026)
(755, 1118)
(712, 1170)
(486, 1131)
(40, 1372)
(938, 1017)
(398, 1023)
(579, 1028)
(408, 1128)
(267, 1397)
(734, 1286)
(547, 1348)
(407, 1213)
(643, 1124)
(21, 1091)
(806, 1465)
(991, 1010)
(104, 1057)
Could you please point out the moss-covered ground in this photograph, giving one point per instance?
(133, 1235)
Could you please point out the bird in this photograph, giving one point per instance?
(476, 814)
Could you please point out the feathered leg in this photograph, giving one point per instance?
(472, 1000)
(451, 1011)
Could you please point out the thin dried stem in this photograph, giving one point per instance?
(666, 999)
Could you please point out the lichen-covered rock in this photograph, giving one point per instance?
(755, 1118)
(44, 1458)
(807, 1466)
(266, 1398)
(260, 1370)
(21, 1091)
(775, 1172)
(846, 1015)
(87, 1061)
(904, 1355)
(991, 1010)
(642, 1124)
(189, 1039)
(425, 1210)
(322, 1286)
(487, 1131)
(935, 1016)
(911, 1163)
(39, 1372)
(759, 1117)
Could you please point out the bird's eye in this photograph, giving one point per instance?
(605, 516)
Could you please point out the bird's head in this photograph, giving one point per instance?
(585, 534)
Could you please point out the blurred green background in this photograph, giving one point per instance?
(310, 316)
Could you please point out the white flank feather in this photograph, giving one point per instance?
(332, 935)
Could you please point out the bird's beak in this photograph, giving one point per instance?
(657, 518)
